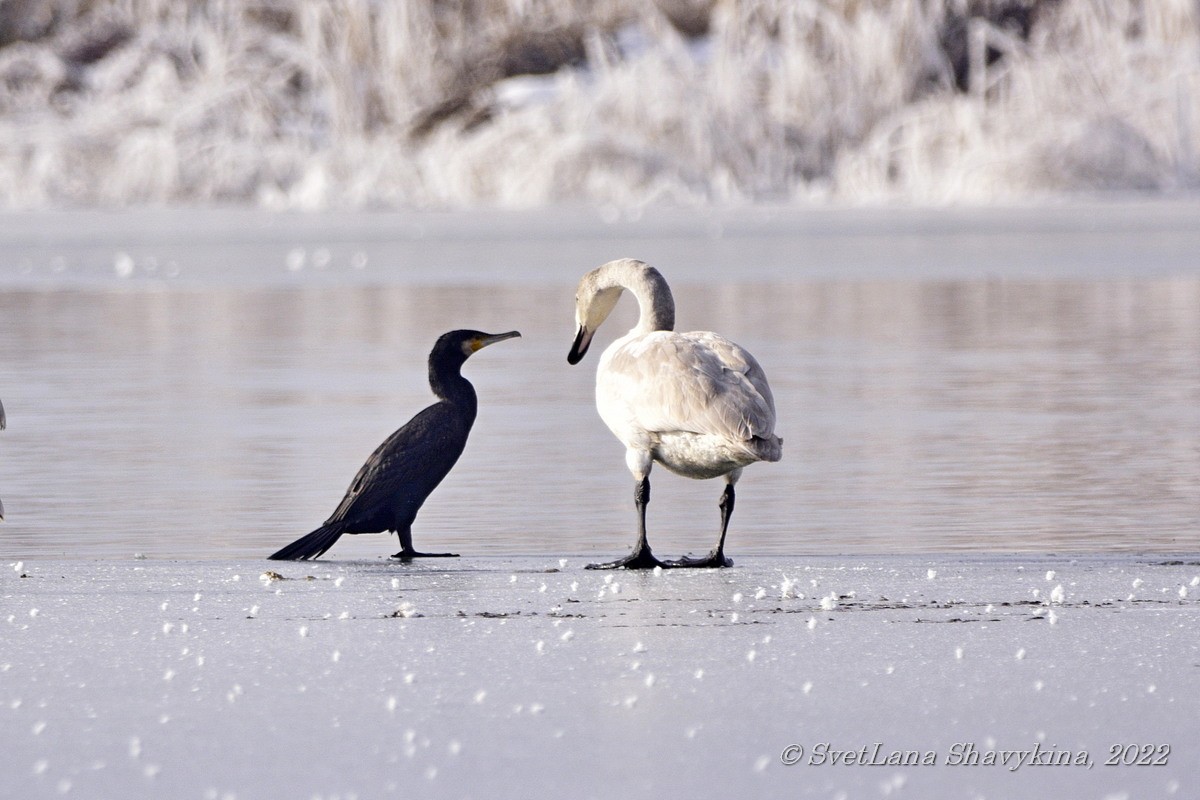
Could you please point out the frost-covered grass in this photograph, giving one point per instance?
(360, 103)
(148, 678)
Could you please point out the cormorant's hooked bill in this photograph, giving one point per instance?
(484, 339)
(391, 487)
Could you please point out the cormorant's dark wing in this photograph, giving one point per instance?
(394, 482)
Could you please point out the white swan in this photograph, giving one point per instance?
(2, 424)
(694, 402)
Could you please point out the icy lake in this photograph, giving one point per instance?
(205, 385)
(985, 529)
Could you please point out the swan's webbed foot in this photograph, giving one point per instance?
(641, 558)
(409, 555)
(714, 560)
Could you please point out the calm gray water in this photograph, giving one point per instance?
(183, 384)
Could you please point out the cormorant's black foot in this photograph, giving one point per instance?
(714, 560)
(639, 559)
(409, 555)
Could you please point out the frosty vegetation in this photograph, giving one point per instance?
(521, 103)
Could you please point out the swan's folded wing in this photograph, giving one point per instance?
(698, 382)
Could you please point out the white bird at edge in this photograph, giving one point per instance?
(2, 424)
(694, 402)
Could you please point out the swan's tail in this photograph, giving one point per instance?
(768, 448)
(312, 545)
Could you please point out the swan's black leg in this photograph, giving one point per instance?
(717, 557)
(641, 557)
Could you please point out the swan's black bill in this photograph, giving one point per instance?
(579, 347)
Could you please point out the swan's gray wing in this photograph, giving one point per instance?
(698, 382)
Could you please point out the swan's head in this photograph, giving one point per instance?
(600, 290)
(594, 301)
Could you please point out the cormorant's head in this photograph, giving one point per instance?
(458, 346)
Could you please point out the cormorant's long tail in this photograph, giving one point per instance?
(312, 545)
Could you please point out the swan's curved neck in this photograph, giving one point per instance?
(653, 296)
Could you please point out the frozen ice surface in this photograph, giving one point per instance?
(496, 677)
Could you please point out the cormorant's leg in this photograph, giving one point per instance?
(407, 553)
(641, 557)
(717, 557)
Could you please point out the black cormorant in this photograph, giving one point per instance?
(389, 490)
